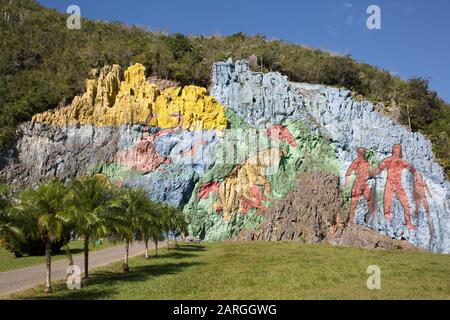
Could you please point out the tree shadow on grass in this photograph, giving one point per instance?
(73, 251)
(189, 247)
(65, 294)
(174, 255)
(183, 251)
(103, 283)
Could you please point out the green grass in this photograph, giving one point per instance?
(265, 271)
(9, 262)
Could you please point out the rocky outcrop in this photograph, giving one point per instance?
(363, 237)
(44, 151)
(110, 101)
(311, 211)
(162, 84)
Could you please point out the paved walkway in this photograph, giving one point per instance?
(20, 279)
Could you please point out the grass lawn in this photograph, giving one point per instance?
(9, 262)
(265, 271)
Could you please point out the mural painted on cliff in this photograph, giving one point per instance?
(394, 185)
(262, 100)
(394, 166)
(361, 188)
(225, 158)
(235, 194)
(177, 130)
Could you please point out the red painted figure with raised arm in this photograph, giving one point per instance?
(420, 195)
(395, 166)
(360, 188)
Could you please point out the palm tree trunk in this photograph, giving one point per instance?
(146, 249)
(168, 241)
(126, 268)
(69, 255)
(86, 258)
(48, 258)
(156, 248)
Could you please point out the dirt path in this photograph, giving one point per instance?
(20, 279)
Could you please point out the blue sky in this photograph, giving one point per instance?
(414, 39)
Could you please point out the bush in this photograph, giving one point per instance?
(31, 246)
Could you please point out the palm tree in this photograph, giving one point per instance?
(46, 204)
(173, 221)
(8, 227)
(134, 206)
(156, 235)
(182, 226)
(88, 199)
(150, 228)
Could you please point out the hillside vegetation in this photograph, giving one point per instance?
(43, 64)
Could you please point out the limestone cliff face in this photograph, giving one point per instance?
(264, 99)
(231, 158)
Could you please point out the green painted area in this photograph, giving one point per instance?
(209, 225)
(114, 171)
(234, 120)
(313, 153)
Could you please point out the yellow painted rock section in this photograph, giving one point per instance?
(238, 185)
(112, 101)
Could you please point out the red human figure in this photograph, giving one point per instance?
(420, 195)
(255, 202)
(394, 166)
(360, 187)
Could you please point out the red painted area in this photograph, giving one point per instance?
(394, 187)
(255, 202)
(205, 190)
(360, 187)
(143, 156)
(394, 165)
(420, 195)
(283, 134)
(218, 208)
